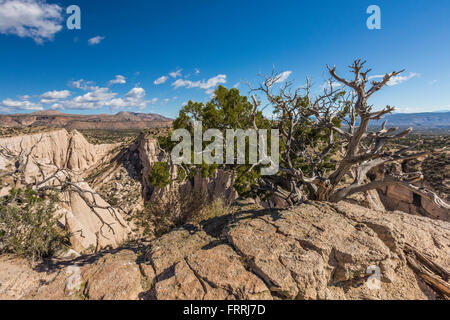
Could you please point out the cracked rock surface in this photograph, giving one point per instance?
(315, 251)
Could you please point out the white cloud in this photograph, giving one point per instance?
(93, 98)
(197, 71)
(104, 97)
(95, 40)
(34, 19)
(283, 76)
(133, 99)
(9, 105)
(399, 79)
(396, 79)
(326, 85)
(176, 73)
(118, 80)
(209, 84)
(160, 80)
(82, 84)
(136, 93)
(54, 96)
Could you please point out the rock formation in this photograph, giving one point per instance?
(315, 251)
(58, 157)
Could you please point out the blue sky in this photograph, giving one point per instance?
(123, 47)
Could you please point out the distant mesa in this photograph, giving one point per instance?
(424, 120)
(57, 119)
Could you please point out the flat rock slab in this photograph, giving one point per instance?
(315, 251)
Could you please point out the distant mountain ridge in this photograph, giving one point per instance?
(135, 120)
(427, 120)
(54, 118)
(423, 120)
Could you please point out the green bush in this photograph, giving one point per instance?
(160, 176)
(29, 226)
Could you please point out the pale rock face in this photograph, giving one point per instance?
(218, 186)
(315, 251)
(88, 230)
(60, 149)
(149, 154)
(397, 197)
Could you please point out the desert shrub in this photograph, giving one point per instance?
(216, 208)
(160, 176)
(29, 226)
(165, 213)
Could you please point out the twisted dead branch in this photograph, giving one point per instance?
(342, 102)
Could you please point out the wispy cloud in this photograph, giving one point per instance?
(160, 80)
(54, 96)
(328, 85)
(82, 84)
(396, 80)
(283, 76)
(92, 97)
(9, 105)
(34, 19)
(176, 74)
(95, 40)
(206, 85)
(118, 80)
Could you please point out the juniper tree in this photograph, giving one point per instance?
(340, 118)
(323, 138)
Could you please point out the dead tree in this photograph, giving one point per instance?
(342, 102)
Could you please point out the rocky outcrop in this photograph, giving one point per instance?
(397, 197)
(315, 251)
(218, 186)
(61, 148)
(66, 156)
(89, 231)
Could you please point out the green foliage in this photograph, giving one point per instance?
(29, 226)
(227, 110)
(160, 176)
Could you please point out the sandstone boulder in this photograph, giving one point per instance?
(315, 251)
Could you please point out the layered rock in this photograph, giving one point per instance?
(220, 185)
(397, 197)
(61, 148)
(66, 156)
(315, 251)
